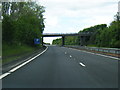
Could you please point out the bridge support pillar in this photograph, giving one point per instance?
(42, 41)
(82, 41)
(63, 40)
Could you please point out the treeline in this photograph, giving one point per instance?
(57, 41)
(102, 36)
(69, 40)
(106, 36)
(22, 22)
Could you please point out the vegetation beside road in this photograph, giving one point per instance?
(22, 23)
(102, 36)
(14, 52)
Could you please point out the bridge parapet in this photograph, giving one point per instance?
(68, 34)
(58, 33)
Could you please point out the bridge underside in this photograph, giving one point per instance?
(82, 40)
(82, 37)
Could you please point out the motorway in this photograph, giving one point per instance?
(61, 67)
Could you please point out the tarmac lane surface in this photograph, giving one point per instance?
(61, 67)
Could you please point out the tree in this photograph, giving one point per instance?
(22, 22)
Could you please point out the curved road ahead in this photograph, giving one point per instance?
(61, 67)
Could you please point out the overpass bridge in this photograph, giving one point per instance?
(82, 35)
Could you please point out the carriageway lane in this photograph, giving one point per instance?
(62, 67)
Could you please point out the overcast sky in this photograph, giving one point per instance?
(71, 16)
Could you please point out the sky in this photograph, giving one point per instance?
(71, 16)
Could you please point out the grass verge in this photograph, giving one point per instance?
(13, 52)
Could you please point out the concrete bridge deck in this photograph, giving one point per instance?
(66, 34)
(82, 35)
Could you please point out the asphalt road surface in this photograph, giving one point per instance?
(61, 67)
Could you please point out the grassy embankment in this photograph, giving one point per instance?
(13, 52)
(98, 47)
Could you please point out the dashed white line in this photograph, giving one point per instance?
(70, 56)
(82, 64)
(14, 69)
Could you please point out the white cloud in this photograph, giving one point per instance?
(51, 21)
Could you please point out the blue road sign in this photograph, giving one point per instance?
(36, 41)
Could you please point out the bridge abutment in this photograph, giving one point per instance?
(82, 40)
(63, 40)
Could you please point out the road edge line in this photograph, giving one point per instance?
(96, 54)
(21, 65)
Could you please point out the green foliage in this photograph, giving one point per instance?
(15, 49)
(57, 41)
(102, 36)
(14, 52)
(109, 36)
(71, 40)
(22, 22)
(7, 29)
(94, 28)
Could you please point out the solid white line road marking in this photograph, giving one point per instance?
(108, 56)
(82, 64)
(14, 69)
(19, 66)
(97, 54)
(4, 75)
